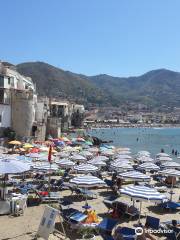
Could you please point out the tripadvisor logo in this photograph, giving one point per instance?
(139, 231)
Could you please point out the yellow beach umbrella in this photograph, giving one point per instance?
(27, 145)
(15, 142)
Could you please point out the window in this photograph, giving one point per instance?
(0, 119)
(9, 80)
(1, 81)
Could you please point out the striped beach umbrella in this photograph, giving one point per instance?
(97, 163)
(148, 166)
(144, 159)
(123, 156)
(87, 181)
(100, 158)
(162, 155)
(86, 154)
(170, 165)
(65, 163)
(45, 167)
(163, 159)
(78, 157)
(170, 173)
(135, 176)
(142, 194)
(120, 166)
(86, 168)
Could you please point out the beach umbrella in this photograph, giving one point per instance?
(148, 166)
(33, 155)
(144, 159)
(143, 153)
(87, 182)
(120, 166)
(142, 193)
(97, 163)
(135, 176)
(65, 163)
(62, 154)
(93, 149)
(78, 157)
(15, 142)
(45, 166)
(100, 158)
(162, 155)
(170, 165)
(86, 154)
(12, 166)
(86, 168)
(27, 145)
(163, 159)
(171, 173)
(124, 156)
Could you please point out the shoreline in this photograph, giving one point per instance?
(106, 126)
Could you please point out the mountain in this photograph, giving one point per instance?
(53, 82)
(154, 88)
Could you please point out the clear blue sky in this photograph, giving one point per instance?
(117, 37)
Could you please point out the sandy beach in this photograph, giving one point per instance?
(25, 227)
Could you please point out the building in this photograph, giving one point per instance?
(17, 101)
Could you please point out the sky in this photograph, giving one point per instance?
(116, 37)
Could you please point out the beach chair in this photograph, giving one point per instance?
(110, 201)
(107, 225)
(109, 183)
(132, 211)
(171, 205)
(87, 193)
(127, 233)
(152, 222)
(21, 206)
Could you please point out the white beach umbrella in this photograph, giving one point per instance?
(144, 159)
(65, 163)
(142, 194)
(143, 153)
(45, 167)
(135, 176)
(12, 166)
(100, 158)
(87, 181)
(124, 156)
(162, 155)
(78, 157)
(148, 166)
(171, 173)
(86, 168)
(97, 163)
(62, 154)
(86, 154)
(163, 159)
(170, 165)
(119, 166)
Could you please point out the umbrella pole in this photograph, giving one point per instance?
(171, 189)
(139, 221)
(49, 180)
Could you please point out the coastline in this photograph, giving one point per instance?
(158, 126)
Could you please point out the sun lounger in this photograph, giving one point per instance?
(87, 193)
(110, 201)
(152, 222)
(127, 233)
(132, 212)
(107, 225)
(171, 205)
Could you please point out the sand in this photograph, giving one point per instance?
(25, 227)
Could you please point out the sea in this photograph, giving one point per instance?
(137, 139)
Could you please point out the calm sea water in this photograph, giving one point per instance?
(150, 139)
